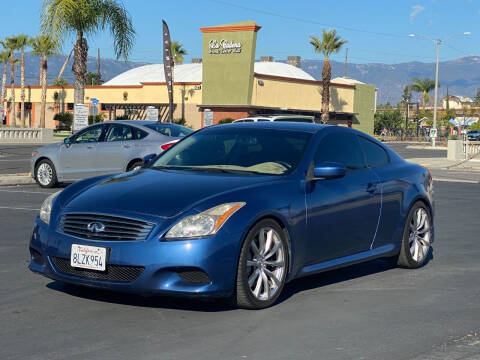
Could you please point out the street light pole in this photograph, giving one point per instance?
(435, 100)
(437, 42)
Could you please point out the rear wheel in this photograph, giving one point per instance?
(45, 174)
(262, 267)
(417, 237)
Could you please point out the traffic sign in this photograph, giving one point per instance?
(433, 133)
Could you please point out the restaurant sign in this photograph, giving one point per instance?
(224, 47)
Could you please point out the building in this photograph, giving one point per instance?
(225, 83)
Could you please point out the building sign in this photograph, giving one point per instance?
(152, 113)
(207, 117)
(224, 47)
(80, 116)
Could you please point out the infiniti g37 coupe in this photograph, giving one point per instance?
(237, 211)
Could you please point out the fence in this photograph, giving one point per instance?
(25, 135)
(471, 148)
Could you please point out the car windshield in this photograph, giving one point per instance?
(170, 130)
(253, 151)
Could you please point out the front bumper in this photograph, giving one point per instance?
(158, 266)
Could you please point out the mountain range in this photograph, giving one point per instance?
(461, 76)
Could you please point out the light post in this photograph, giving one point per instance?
(437, 43)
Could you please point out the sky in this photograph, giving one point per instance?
(376, 31)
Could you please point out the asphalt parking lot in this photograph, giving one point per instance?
(367, 311)
(15, 158)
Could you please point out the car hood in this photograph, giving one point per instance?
(49, 147)
(160, 193)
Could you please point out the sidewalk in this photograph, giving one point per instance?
(444, 163)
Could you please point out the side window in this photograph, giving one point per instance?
(138, 133)
(90, 135)
(120, 133)
(375, 154)
(341, 147)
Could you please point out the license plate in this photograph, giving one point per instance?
(88, 257)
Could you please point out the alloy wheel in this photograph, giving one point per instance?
(265, 264)
(419, 238)
(44, 174)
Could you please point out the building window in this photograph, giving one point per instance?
(70, 106)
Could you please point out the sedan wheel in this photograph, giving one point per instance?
(45, 174)
(263, 265)
(418, 237)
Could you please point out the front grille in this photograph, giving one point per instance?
(115, 228)
(116, 273)
(193, 275)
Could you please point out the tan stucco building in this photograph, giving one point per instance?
(228, 83)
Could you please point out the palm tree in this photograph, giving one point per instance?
(424, 87)
(329, 44)
(4, 58)
(23, 41)
(44, 46)
(11, 44)
(177, 52)
(61, 18)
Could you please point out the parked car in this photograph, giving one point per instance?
(473, 135)
(238, 210)
(285, 117)
(102, 148)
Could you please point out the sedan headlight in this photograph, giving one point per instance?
(46, 208)
(205, 223)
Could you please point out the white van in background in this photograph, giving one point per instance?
(284, 117)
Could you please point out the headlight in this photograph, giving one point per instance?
(46, 208)
(204, 224)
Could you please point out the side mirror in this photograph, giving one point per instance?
(147, 160)
(67, 141)
(328, 170)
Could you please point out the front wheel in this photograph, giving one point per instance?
(45, 174)
(417, 237)
(262, 267)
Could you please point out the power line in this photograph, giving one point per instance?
(302, 20)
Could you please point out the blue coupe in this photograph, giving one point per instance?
(237, 211)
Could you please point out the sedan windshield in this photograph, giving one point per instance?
(255, 151)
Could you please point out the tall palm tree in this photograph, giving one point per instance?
(329, 44)
(177, 52)
(11, 44)
(4, 58)
(424, 87)
(44, 46)
(23, 41)
(61, 18)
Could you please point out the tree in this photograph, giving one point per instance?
(60, 81)
(329, 44)
(424, 87)
(407, 94)
(93, 78)
(390, 120)
(44, 46)
(11, 44)
(476, 99)
(23, 41)
(61, 18)
(177, 52)
(4, 58)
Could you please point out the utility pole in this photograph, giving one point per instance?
(406, 118)
(345, 65)
(435, 100)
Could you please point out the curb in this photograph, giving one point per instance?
(16, 179)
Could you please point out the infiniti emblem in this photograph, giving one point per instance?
(95, 227)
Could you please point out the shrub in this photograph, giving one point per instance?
(65, 120)
(453, 137)
(93, 119)
(182, 122)
(225, 121)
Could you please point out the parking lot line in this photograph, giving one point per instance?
(27, 192)
(17, 208)
(457, 180)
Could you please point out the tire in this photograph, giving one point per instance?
(264, 265)
(417, 237)
(135, 164)
(45, 174)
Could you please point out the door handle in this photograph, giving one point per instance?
(90, 147)
(126, 146)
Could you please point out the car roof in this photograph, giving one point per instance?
(140, 122)
(294, 126)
